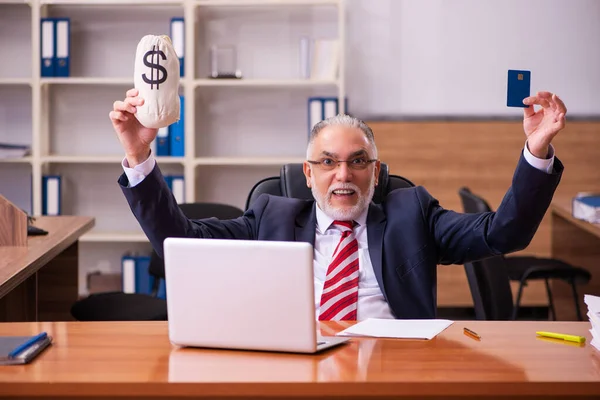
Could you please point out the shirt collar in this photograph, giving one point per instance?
(324, 221)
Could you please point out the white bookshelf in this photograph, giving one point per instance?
(20, 160)
(254, 3)
(266, 83)
(15, 81)
(116, 159)
(86, 81)
(257, 161)
(237, 131)
(104, 237)
(111, 2)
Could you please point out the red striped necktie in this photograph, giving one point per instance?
(340, 292)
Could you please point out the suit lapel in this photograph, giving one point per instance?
(306, 225)
(375, 228)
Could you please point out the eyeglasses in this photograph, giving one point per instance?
(328, 164)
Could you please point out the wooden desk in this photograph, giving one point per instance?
(135, 359)
(39, 282)
(578, 243)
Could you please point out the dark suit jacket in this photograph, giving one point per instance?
(408, 235)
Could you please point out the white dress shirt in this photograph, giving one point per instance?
(371, 303)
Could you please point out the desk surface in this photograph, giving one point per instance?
(563, 207)
(136, 359)
(19, 263)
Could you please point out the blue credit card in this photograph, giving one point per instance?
(519, 84)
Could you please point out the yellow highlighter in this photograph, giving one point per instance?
(570, 338)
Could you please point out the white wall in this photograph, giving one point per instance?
(442, 57)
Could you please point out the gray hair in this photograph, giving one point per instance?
(341, 120)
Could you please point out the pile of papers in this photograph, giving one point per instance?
(593, 304)
(586, 206)
(399, 328)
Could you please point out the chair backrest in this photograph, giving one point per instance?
(291, 182)
(488, 278)
(194, 211)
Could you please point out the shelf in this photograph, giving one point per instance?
(103, 237)
(265, 82)
(83, 159)
(18, 160)
(15, 81)
(112, 2)
(103, 159)
(80, 81)
(222, 3)
(257, 161)
(170, 160)
(87, 81)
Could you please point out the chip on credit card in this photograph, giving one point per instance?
(519, 84)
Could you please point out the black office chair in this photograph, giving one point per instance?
(490, 289)
(119, 306)
(489, 279)
(291, 182)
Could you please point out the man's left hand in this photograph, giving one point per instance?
(542, 125)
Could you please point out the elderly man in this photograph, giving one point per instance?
(369, 260)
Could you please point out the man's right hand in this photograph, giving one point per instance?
(134, 137)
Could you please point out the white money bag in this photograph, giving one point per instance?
(156, 77)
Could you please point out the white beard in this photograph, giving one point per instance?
(352, 214)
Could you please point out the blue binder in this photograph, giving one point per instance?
(177, 132)
(330, 107)
(163, 143)
(177, 185)
(178, 188)
(162, 287)
(47, 47)
(315, 112)
(143, 279)
(128, 274)
(135, 276)
(178, 40)
(51, 195)
(320, 108)
(62, 51)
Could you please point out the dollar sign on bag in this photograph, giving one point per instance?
(155, 67)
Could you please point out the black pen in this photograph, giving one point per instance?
(471, 333)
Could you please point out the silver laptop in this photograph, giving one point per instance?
(242, 294)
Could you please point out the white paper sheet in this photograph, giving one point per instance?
(593, 303)
(595, 343)
(398, 328)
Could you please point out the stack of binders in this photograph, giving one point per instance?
(137, 279)
(593, 304)
(177, 185)
(178, 40)
(18, 350)
(55, 47)
(170, 140)
(320, 108)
